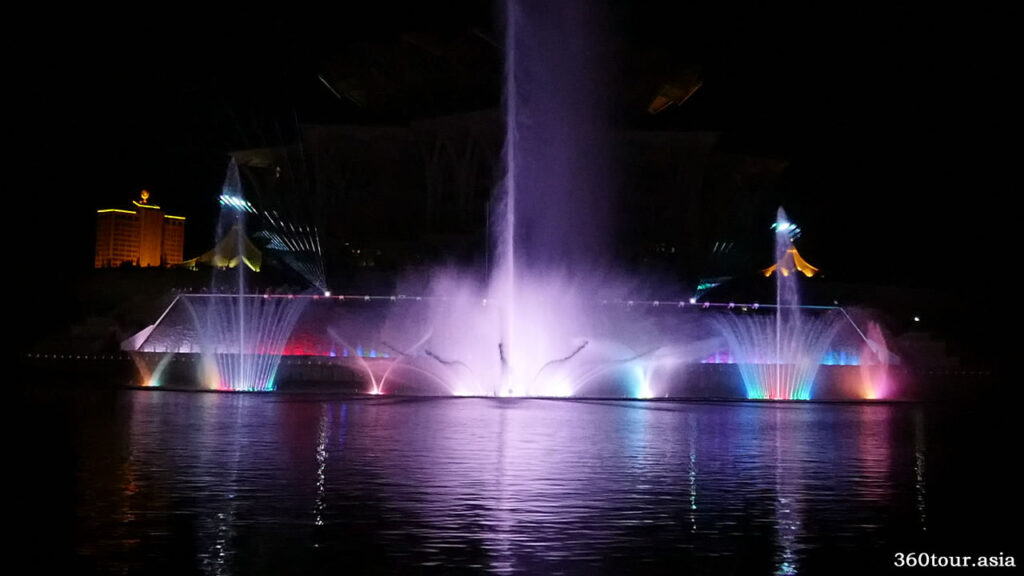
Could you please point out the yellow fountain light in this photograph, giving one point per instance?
(790, 262)
(253, 264)
(802, 264)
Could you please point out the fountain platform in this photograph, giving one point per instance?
(366, 343)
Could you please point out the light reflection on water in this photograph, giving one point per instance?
(243, 484)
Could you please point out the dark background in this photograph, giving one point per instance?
(893, 118)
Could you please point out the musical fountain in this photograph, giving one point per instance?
(551, 317)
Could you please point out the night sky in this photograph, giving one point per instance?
(892, 117)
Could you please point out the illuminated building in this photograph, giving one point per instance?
(791, 261)
(142, 236)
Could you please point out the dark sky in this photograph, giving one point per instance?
(893, 117)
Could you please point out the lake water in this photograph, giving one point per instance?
(172, 482)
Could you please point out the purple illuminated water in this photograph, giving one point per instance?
(181, 483)
(524, 329)
(529, 327)
(552, 205)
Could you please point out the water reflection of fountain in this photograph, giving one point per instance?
(692, 473)
(873, 444)
(321, 465)
(920, 469)
(788, 500)
(220, 521)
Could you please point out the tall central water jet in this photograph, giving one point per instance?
(536, 324)
(786, 298)
(553, 206)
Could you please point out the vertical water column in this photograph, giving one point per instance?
(242, 337)
(506, 225)
(232, 224)
(787, 313)
(554, 210)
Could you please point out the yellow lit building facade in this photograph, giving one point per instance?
(142, 236)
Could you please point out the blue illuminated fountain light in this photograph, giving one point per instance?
(779, 355)
(240, 336)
